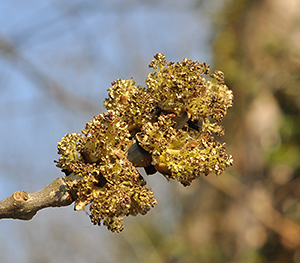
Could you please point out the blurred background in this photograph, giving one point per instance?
(57, 59)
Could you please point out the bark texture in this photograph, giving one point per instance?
(23, 205)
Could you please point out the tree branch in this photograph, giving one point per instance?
(54, 89)
(23, 205)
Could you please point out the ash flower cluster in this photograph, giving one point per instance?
(135, 104)
(174, 120)
(188, 86)
(182, 154)
(110, 183)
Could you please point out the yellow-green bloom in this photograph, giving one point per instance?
(171, 123)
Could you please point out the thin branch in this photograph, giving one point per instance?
(23, 205)
(61, 192)
(271, 218)
(76, 103)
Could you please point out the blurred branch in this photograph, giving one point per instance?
(263, 211)
(54, 89)
(24, 206)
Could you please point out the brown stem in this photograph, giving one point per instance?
(23, 205)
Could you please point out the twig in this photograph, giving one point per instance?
(61, 192)
(23, 205)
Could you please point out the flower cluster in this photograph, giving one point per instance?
(134, 103)
(110, 183)
(173, 121)
(182, 154)
(188, 86)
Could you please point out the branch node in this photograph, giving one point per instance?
(20, 196)
(25, 195)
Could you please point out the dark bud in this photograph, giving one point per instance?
(150, 169)
(66, 171)
(195, 124)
